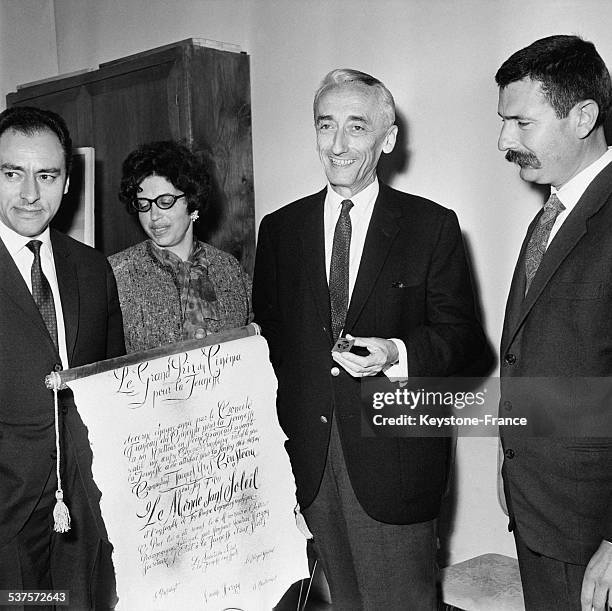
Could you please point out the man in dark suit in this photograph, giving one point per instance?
(58, 308)
(557, 338)
(388, 269)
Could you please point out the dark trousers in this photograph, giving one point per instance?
(548, 584)
(78, 561)
(25, 561)
(369, 565)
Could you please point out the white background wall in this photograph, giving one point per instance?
(438, 57)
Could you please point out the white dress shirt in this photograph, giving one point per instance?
(572, 191)
(360, 213)
(24, 257)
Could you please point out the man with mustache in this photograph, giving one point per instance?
(524, 159)
(557, 337)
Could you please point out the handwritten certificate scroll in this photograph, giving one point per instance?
(197, 490)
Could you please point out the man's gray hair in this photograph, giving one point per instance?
(344, 76)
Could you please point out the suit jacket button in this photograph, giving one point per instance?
(323, 419)
(510, 359)
(335, 371)
(508, 406)
(57, 367)
(509, 453)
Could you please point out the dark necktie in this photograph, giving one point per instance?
(539, 238)
(339, 270)
(41, 292)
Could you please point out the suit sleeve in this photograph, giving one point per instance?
(115, 343)
(606, 521)
(265, 292)
(451, 340)
(607, 525)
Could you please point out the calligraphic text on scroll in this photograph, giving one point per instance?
(197, 490)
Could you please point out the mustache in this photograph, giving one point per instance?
(525, 160)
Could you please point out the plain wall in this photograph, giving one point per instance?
(438, 57)
(28, 48)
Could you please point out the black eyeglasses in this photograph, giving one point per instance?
(163, 202)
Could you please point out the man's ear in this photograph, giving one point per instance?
(67, 185)
(587, 112)
(390, 138)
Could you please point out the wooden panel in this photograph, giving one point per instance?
(127, 110)
(72, 104)
(222, 129)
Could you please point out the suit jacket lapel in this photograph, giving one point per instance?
(564, 242)
(67, 281)
(383, 228)
(516, 297)
(570, 233)
(313, 246)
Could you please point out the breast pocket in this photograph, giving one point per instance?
(400, 307)
(576, 290)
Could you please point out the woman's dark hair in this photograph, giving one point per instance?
(173, 161)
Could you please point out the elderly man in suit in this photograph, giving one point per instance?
(58, 308)
(553, 98)
(388, 269)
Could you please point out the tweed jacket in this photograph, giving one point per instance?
(150, 298)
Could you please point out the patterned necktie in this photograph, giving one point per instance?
(41, 291)
(539, 238)
(339, 269)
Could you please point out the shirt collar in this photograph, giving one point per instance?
(572, 191)
(15, 242)
(361, 201)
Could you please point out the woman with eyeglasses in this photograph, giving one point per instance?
(173, 287)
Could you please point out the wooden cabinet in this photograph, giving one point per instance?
(185, 91)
